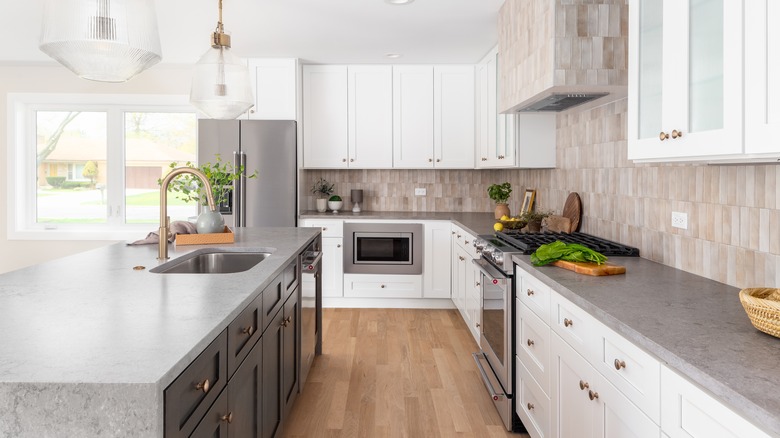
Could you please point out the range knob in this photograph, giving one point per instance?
(498, 257)
(479, 244)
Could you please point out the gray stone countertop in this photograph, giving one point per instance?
(696, 326)
(88, 344)
(477, 223)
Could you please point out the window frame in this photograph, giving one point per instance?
(22, 195)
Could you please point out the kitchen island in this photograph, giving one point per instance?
(88, 344)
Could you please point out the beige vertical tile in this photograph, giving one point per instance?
(763, 229)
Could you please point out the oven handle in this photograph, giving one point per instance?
(495, 395)
(311, 266)
(489, 270)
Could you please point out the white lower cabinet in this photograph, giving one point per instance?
(533, 404)
(533, 345)
(436, 266)
(689, 412)
(382, 286)
(332, 267)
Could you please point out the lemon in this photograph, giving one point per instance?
(498, 226)
(504, 218)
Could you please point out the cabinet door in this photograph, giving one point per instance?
(214, 423)
(533, 345)
(332, 267)
(274, 82)
(244, 396)
(370, 108)
(459, 280)
(762, 77)
(617, 417)
(413, 117)
(273, 352)
(437, 265)
(484, 150)
(572, 378)
(453, 117)
(325, 116)
(473, 296)
(292, 351)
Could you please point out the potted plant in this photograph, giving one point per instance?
(221, 175)
(322, 189)
(534, 219)
(499, 193)
(335, 203)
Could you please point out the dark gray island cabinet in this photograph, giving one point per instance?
(245, 382)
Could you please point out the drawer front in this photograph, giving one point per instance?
(330, 228)
(382, 286)
(533, 345)
(575, 326)
(214, 425)
(533, 405)
(243, 333)
(634, 372)
(273, 298)
(534, 294)
(192, 393)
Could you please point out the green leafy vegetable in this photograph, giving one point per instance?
(572, 252)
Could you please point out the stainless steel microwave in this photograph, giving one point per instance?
(383, 248)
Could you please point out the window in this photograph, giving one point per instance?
(86, 167)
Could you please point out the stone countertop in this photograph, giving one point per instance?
(87, 327)
(694, 325)
(477, 223)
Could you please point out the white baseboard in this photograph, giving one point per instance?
(388, 303)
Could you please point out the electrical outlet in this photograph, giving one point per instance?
(680, 220)
(420, 191)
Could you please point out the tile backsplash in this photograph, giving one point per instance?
(733, 233)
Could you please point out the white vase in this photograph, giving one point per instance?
(322, 205)
(335, 205)
(210, 222)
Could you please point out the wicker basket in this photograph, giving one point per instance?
(514, 225)
(763, 313)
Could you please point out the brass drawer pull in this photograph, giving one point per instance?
(583, 385)
(529, 342)
(248, 331)
(663, 136)
(593, 395)
(619, 364)
(203, 386)
(228, 417)
(530, 406)
(676, 134)
(567, 322)
(529, 292)
(286, 321)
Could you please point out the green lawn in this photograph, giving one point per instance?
(153, 198)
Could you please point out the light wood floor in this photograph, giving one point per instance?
(395, 373)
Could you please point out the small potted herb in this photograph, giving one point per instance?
(534, 219)
(499, 193)
(322, 189)
(335, 203)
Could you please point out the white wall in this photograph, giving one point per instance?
(52, 78)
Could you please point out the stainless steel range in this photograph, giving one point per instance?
(495, 360)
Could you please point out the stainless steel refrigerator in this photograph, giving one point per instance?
(265, 146)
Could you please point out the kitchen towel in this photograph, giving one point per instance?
(177, 227)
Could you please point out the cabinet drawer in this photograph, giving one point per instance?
(189, 396)
(273, 299)
(534, 294)
(634, 372)
(533, 405)
(533, 345)
(575, 326)
(243, 333)
(330, 228)
(382, 286)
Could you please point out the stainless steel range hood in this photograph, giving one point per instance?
(561, 54)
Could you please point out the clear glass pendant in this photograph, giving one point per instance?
(220, 84)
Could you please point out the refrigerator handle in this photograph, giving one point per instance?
(237, 206)
(243, 190)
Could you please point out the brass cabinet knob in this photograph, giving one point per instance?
(530, 406)
(567, 322)
(500, 157)
(663, 136)
(286, 321)
(351, 160)
(477, 284)
(430, 160)
(477, 325)
(338, 245)
(466, 242)
(461, 258)
(619, 364)
(529, 342)
(484, 159)
(343, 160)
(676, 133)
(251, 111)
(382, 286)
(438, 160)
(458, 236)
(203, 386)
(248, 330)
(228, 417)
(529, 292)
(593, 395)
(453, 233)
(584, 384)
(324, 228)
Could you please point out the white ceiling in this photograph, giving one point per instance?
(317, 31)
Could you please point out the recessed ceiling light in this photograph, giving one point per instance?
(393, 55)
(399, 2)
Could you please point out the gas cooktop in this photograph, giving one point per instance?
(527, 243)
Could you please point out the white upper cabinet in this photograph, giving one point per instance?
(453, 117)
(370, 107)
(413, 116)
(685, 79)
(325, 117)
(275, 85)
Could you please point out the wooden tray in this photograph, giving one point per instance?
(591, 268)
(226, 236)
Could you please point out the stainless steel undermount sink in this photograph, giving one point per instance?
(213, 261)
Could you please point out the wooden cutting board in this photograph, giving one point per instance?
(591, 268)
(572, 209)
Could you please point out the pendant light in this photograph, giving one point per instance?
(101, 40)
(220, 84)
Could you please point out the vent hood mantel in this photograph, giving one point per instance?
(558, 54)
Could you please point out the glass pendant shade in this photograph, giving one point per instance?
(101, 40)
(220, 84)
